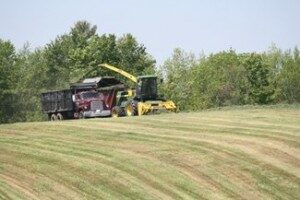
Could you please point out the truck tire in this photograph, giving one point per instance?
(60, 117)
(80, 115)
(53, 117)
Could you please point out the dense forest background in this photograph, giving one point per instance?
(193, 82)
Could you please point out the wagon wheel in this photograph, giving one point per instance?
(60, 116)
(53, 117)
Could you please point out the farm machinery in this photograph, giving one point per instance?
(106, 96)
(81, 100)
(144, 99)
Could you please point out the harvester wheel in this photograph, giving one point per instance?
(60, 116)
(116, 111)
(53, 117)
(131, 108)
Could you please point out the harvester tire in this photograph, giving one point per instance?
(129, 111)
(116, 111)
(131, 108)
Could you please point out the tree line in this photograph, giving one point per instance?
(219, 79)
(24, 74)
(230, 78)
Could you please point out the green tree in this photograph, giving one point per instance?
(67, 56)
(70, 56)
(7, 60)
(133, 56)
(289, 78)
(8, 79)
(82, 32)
(261, 91)
(178, 78)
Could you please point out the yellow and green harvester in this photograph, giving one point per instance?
(144, 99)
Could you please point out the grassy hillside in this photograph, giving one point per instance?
(240, 153)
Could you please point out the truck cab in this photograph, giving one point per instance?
(90, 104)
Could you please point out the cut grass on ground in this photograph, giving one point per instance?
(239, 153)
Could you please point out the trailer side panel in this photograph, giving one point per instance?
(57, 101)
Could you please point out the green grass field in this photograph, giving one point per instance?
(235, 153)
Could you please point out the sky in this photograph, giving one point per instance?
(196, 26)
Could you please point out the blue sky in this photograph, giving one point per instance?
(194, 25)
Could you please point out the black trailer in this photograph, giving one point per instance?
(80, 87)
(58, 102)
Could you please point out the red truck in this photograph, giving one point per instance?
(64, 104)
(91, 98)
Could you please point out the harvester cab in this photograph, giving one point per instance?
(146, 88)
(143, 100)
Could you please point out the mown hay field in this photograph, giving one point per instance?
(236, 153)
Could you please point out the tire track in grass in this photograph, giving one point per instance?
(184, 137)
(202, 176)
(249, 159)
(53, 176)
(295, 163)
(154, 160)
(271, 128)
(10, 193)
(27, 191)
(121, 167)
(4, 190)
(144, 179)
(257, 163)
(13, 190)
(293, 160)
(170, 143)
(40, 175)
(190, 130)
(241, 132)
(183, 128)
(76, 187)
(226, 123)
(256, 142)
(34, 178)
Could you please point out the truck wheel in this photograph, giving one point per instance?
(116, 111)
(53, 117)
(81, 115)
(60, 116)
